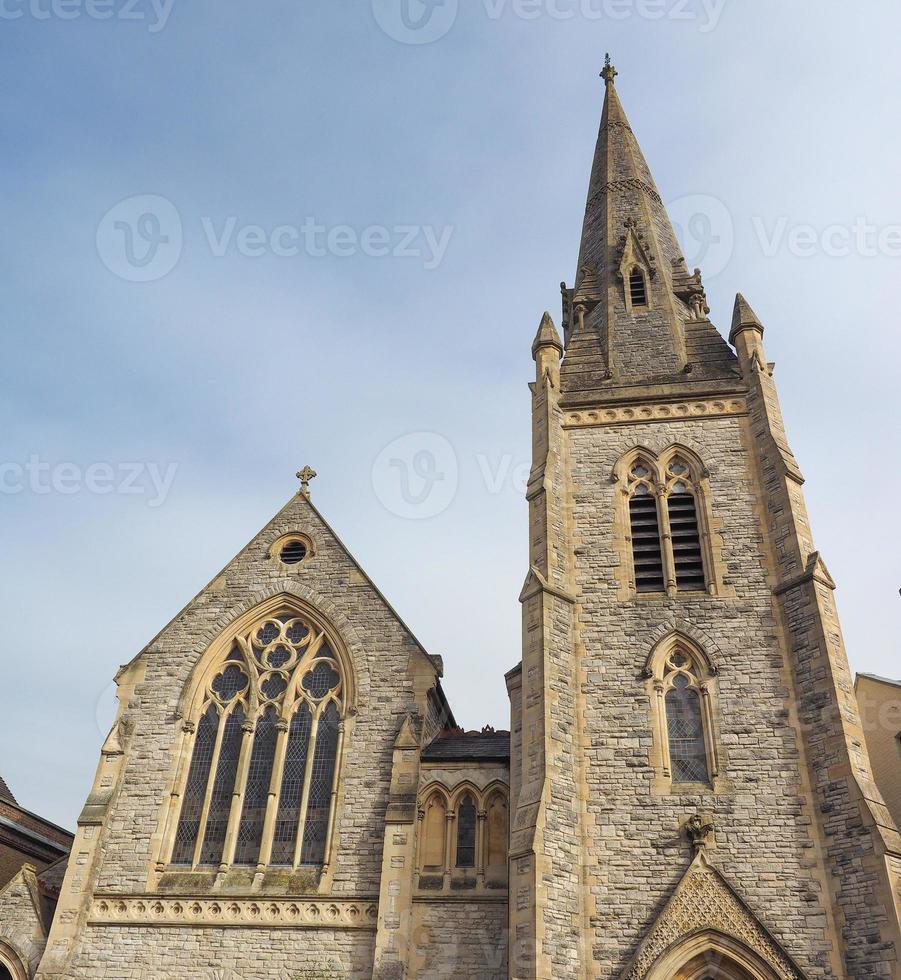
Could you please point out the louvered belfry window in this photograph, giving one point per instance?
(683, 522)
(261, 785)
(647, 554)
(673, 542)
(638, 292)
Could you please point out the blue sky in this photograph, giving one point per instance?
(770, 127)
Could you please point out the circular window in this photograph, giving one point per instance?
(293, 552)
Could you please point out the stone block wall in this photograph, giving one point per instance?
(392, 676)
(765, 841)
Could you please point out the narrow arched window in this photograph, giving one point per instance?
(261, 785)
(688, 560)
(466, 832)
(687, 741)
(647, 554)
(638, 292)
(434, 834)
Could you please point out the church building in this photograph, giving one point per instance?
(685, 792)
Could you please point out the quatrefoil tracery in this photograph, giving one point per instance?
(282, 661)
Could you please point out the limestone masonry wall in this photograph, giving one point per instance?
(764, 843)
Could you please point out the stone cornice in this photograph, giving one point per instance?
(654, 412)
(144, 910)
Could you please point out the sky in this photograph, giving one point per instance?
(239, 239)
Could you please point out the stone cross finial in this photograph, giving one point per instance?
(609, 72)
(305, 475)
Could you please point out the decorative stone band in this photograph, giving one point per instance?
(128, 910)
(628, 183)
(655, 413)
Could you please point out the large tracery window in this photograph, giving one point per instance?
(664, 527)
(261, 784)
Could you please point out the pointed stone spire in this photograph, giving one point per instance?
(547, 336)
(635, 315)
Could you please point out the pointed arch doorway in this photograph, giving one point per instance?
(712, 955)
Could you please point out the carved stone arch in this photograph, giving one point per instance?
(14, 962)
(696, 463)
(665, 636)
(710, 953)
(464, 787)
(232, 624)
(496, 786)
(627, 458)
(436, 786)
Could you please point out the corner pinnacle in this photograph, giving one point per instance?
(743, 317)
(547, 336)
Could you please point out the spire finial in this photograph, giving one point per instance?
(305, 475)
(609, 72)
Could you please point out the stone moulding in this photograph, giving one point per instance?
(655, 413)
(126, 910)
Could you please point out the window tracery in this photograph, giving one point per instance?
(667, 523)
(261, 783)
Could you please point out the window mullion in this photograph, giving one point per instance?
(208, 796)
(248, 730)
(707, 722)
(662, 728)
(305, 796)
(275, 789)
(666, 541)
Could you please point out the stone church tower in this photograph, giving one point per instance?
(685, 792)
(691, 795)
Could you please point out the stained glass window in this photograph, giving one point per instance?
(279, 688)
(256, 792)
(322, 777)
(223, 789)
(292, 787)
(685, 727)
(466, 833)
(195, 788)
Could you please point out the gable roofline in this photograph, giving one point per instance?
(434, 662)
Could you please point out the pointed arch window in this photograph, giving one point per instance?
(466, 832)
(682, 683)
(261, 785)
(664, 514)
